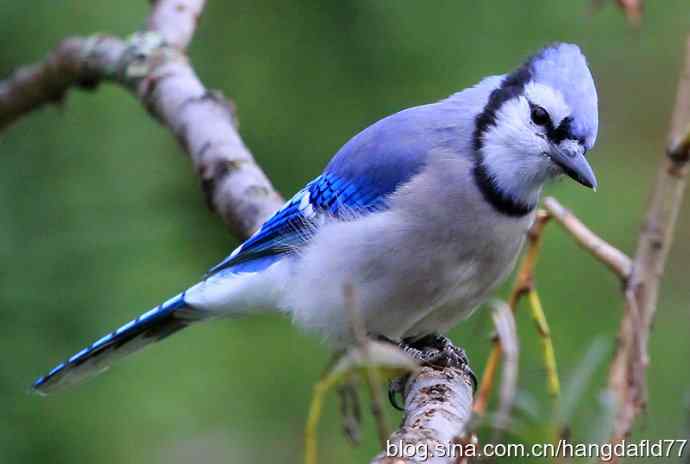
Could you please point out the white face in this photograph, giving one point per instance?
(517, 149)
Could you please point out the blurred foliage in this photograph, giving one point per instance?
(101, 216)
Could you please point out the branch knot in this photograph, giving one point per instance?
(146, 51)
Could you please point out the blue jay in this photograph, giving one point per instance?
(423, 214)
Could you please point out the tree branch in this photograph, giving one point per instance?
(611, 256)
(438, 408)
(76, 62)
(507, 334)
(154, 68)
(627, 375)
(175, 20)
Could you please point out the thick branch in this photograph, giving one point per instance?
(438, 408)
(154, 68)
(611, 256)
(203, 122)
(175, 20)
(627, 375)
(76, 62)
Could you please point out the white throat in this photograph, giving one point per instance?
(515, 151)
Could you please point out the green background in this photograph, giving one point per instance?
(101, 218)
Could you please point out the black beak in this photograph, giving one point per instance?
(569, 155)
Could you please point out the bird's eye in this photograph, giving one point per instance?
(539, 116)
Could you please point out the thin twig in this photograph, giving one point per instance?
(75, 62)
(632, 9)
(613, 258)
(350, 409)
(389, 359)
(330, 380)
(628, 369)
(489, 374)
(507, 333)
(539, 317)
(374, 384)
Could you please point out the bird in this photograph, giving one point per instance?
(423, 214)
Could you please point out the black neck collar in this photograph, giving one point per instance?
(502, 202)
(512, 86)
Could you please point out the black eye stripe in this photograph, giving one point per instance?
(563, 131)
(556, 134)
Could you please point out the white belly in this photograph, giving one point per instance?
(473, 288)
(402, 287)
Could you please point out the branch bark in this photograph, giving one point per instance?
(76, 62)
(438, 409)
(507, 334)
(153, 67)
(175, 20)
(627, 375)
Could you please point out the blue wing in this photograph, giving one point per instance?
(294, 224)
(359, 178)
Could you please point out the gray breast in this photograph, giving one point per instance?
(469, 247)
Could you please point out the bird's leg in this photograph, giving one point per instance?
(432, 350)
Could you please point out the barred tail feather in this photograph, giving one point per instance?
(154, 325)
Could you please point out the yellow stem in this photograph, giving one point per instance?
(374, 382)
(552, 382)
(315, 409)
(486, 385)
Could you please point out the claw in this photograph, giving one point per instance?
(433, 350)
(473, 377)
(396, 387)
(437, 350)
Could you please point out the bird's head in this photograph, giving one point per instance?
(537, 124)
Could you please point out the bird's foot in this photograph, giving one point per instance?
(432, 350)
(436, 351)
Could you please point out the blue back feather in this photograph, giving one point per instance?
(359, 178)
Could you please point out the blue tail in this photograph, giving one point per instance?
(150, 327)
